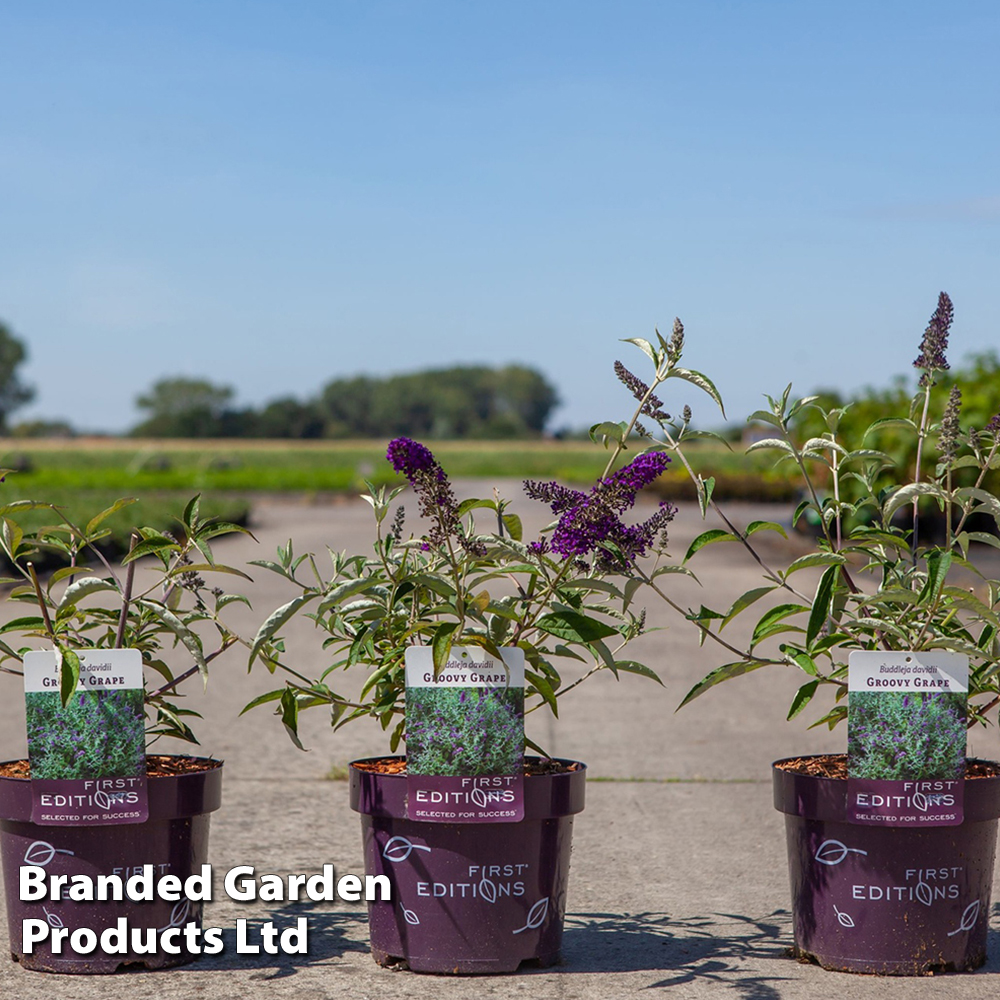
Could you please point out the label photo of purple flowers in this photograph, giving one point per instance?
(464, 732)
(87, 757)
(465, 736)
(906, 738)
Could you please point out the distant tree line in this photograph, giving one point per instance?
(457, 402)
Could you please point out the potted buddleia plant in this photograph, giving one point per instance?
(74, 807)
(891, 847)
(459, 630)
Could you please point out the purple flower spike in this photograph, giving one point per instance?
(589, 522)
(932, 357)
(409, 457)
(436, 499)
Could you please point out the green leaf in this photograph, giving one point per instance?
(835, 715)
(263, 699)
(94, 522)
(191, 512)
(802, 698)
(724, 673)
(884, 422)
(802, 659)
(81, 588)
(231, 598)
(376, 675)
(69, 674)
(473, 504)
(574, 627)
(216, 528)
(764, 417)
(290, 716)
(543, 687)
(207, 568)
(907, 494)
(938, 564)
(802, 507)
(764, 627)
(631, 586)
(154, 544)
(755, 526)
(744, 601)
(633, 667)
(441, 644)
(703, 382)
(770, 444)
(705, 489)
(707, 538)
(661, 570)
(189, 640)
(23, 624)
(815, 559)
(19, 506)
(276, 619)
(513, 525)
(644, 345)
(821, 603)
(608, 432)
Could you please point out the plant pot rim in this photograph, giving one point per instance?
(823, 798)
(170, 795)
(546, 796)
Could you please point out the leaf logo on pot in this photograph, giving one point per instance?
(846, 920)
(53, 919)
(479, 797)
(41, 853)
(969, 918)
(832, 852)
(487, 890)
(178, 915)
(924, 893)
(399, 849)
(920, 801)
(536, 916)
(410, 916)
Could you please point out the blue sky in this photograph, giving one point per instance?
(272, 195)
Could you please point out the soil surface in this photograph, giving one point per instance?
(532, 766)
(834, 765)
(157, 766)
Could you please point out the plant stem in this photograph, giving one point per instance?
(191, 671)
(921, 434)
(41, 602)
(126, 597)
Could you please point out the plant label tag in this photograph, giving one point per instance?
(465, 736)
(906, 738)
(88, 760)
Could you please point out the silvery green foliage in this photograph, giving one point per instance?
(563, 597)
(168, 612)
(882, 586)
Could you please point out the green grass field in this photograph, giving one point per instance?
(241, 466)
(85, 475)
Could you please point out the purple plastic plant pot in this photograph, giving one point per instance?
(174, 840)
(468, 897)
(887, 900)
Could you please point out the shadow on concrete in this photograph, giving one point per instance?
(719, 947)
(332, 933)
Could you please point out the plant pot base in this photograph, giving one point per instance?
(917, 966)
(464, 967)
(882, 900)
(468, 898)
(174, 840)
